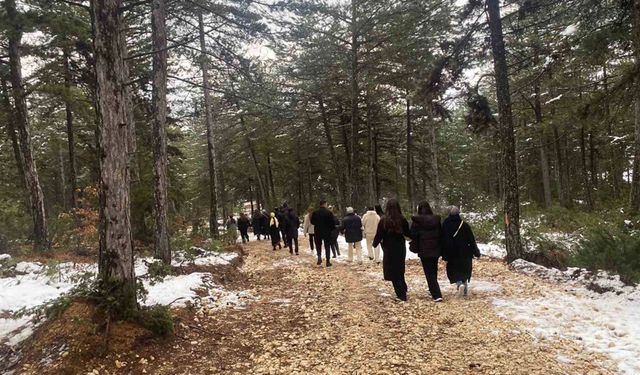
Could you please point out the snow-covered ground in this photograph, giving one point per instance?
(604, 320)
(34, 284)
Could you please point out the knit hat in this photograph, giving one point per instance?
(349, 210)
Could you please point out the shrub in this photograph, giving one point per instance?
(158, 271)
(611, 250)
(156, 319)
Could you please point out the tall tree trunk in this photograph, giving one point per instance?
(376, 165)
(371, 186)
(634, 200)
(63, 177)
(272, 186)
(115, 266)
(71, 145)
(355, 91)
(409, 158)
(11, 131)
(30, 170)
(593, 161)
(507, 137)
(211, 152)
(332, 152)
(542, 149)
(434, 173)
(159, 106)
(585, 171)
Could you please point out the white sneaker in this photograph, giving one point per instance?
(438, 300)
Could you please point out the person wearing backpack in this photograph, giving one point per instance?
(459, 249)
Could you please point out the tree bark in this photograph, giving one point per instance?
(409, 158)
(542, 149)
(585, 171)
(211, 153)
(11, 132)
(30, 170)
(159, 109)
(634, 200)
(507, 137)
(71, 145)
(332, 152)
(371, 186)
(272, 186)
(355, 91)
(115, 266)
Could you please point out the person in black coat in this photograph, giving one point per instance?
(391, 233)
(281, 214)
(323, 222)
(264, 225)
(426, 231)
(351, 227)
(293, 223)
(379, 211)
(459, 249)
(274, 231)
(256, 223)
(243, 227)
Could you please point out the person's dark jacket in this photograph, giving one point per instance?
(459, 249)
(256, 223)
(293, 223)
(426, 230)
(323, 222)
(351, 227)
(243, 224)
(264, 224)
(394, 248)
(335, 232)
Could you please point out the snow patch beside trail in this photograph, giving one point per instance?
(605, 321)
(33, 284)
(492, 250)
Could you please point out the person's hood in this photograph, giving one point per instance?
(370, 212)
(350, 214)
(426, 221)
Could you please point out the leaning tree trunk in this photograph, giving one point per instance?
(71, 145)
(507, 137)
(213, 195)
(159, 106)
(634, 201)
(20, 116)
(115, 265)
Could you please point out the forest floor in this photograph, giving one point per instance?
(309, 319)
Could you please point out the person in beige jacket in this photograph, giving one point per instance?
(308, 229)
(370, 222)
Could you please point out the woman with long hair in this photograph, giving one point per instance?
(391, 233)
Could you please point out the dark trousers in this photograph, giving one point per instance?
(400, 287)
(245, 235)
(292, 240)
(284, 236)
(312, 240)
(327, 246)
(430, 268)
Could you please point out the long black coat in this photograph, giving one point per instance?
(274, 231)
(263, 223)
(352, 228)
(459, 250)
(243, 224)
(293, 223)
(323, 222)
(394, 248)
(427, 231)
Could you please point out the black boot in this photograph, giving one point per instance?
(319, 261)
(329, 264)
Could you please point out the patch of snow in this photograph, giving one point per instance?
(175, 290)
(570, 30)
(5, 257)
(492, 250)
(554, 99)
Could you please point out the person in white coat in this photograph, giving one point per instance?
(370, 222)
(308, 229)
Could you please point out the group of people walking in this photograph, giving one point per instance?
(430, 237)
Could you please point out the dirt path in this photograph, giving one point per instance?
(343, 320)
(307, 319)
